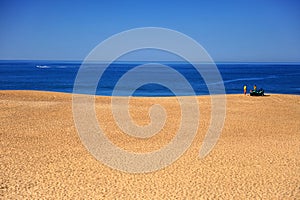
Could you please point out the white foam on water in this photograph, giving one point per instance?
(43, 66)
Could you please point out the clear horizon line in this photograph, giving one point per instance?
(141, 61)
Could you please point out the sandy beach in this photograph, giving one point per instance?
(256, 157)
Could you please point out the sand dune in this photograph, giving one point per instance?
(257, 155)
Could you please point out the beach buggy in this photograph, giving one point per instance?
(259, 92)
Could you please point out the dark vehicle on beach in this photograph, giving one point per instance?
(259, 92)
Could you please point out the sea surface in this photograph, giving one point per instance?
(59, 76)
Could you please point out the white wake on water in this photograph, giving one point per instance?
(42, 66)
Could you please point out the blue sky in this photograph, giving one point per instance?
(240, 30)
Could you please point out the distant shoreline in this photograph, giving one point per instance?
(205, 95)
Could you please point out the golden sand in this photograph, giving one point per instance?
(257, 154)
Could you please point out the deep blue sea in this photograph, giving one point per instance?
(59, 76)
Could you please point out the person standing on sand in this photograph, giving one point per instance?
(254, 88)
(245, 89)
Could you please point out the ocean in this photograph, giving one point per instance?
(59, 76)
